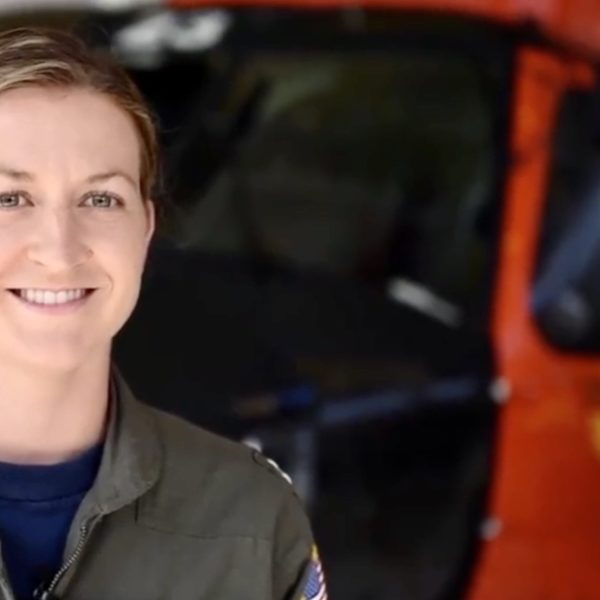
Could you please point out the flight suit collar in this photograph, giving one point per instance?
(132, 457)
(131, 464)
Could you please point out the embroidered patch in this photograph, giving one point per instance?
(315, 586)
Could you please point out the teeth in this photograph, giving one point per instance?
(50, 297)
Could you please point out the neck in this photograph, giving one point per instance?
(52, 416)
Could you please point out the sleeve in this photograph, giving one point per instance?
(297, 569)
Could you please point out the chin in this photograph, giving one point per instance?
(60, 358)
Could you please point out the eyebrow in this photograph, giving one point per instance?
(96, 178)
(15, 173)
(100, 177)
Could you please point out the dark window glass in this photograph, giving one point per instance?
(566, 294)
(362, 166)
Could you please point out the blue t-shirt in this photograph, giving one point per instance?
(37, 506)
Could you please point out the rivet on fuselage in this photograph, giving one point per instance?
(491, 528)
(500, 390)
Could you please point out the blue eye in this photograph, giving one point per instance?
(102, 200)
(12, 200)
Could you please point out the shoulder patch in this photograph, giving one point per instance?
(270, 465)
(315, 588)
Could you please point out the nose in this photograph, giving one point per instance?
(58, 243)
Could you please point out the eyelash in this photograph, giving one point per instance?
(94, 194)
(117, 199)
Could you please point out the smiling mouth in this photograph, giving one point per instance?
(42, 297)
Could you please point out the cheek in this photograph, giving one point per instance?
(121, 253)
(125, 255)
(121, 260)
(12, 244)
(125, 236)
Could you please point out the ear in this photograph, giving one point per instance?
(150, 210)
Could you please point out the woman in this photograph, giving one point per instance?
(102, 497)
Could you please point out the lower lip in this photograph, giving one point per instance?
(54, 309)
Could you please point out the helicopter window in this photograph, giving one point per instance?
(359, 166)
(566, 294)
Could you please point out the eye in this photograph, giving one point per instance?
(12, 200)
(102, 200)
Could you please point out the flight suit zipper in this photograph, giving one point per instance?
(5, 589)
(47, 591)
(6, 592)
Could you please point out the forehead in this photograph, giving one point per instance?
(69, 131)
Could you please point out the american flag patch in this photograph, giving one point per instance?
(315, 585)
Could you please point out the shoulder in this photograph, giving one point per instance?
(210, 458)
(212, 486)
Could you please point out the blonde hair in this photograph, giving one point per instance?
(54, 58)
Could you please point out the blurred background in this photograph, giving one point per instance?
(336, 216)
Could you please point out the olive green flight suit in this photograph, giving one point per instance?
(177, 513)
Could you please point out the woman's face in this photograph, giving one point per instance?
(74, 228)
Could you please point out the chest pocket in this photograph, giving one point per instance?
(146, 564)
